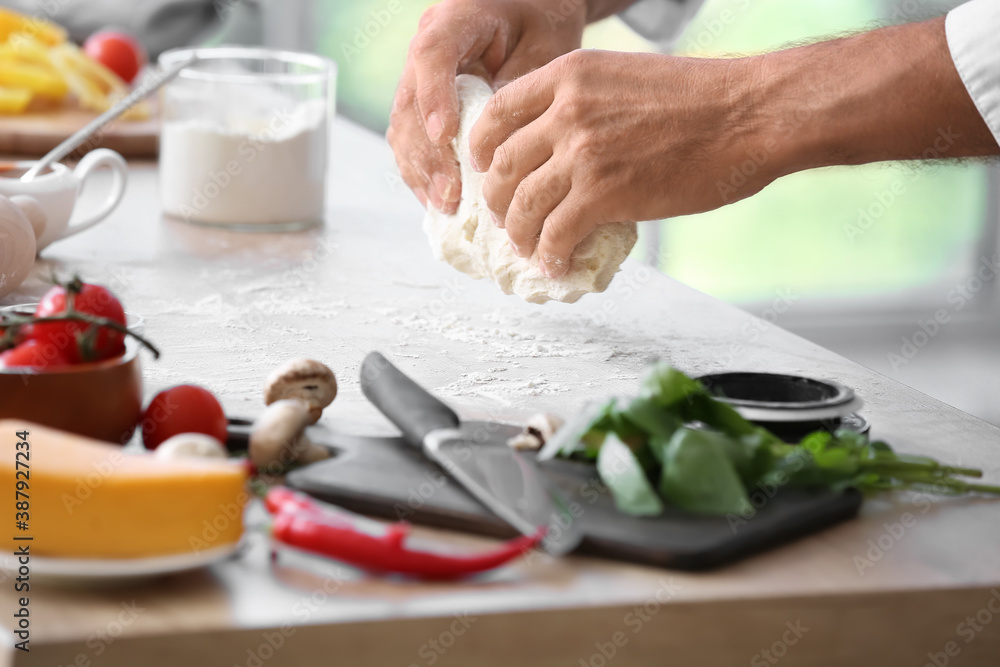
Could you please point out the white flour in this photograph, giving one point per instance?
(271, 317)
(267, 172)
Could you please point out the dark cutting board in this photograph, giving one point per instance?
(387, 478)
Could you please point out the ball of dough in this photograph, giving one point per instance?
(470, 242)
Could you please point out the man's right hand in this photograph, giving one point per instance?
(497, 39)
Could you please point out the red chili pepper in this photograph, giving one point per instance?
(300, 522)
(282, 498)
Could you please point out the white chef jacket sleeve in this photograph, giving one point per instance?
(972, 31)
(660, 21)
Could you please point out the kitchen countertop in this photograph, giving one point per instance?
(226, 308)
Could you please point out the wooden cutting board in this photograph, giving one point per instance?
(33, 135)
(387, 478)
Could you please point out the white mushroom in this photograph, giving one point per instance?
(525, 442)
(191, 445)
(278, 437)
(538, 429)
(543, 425)
(304, 379)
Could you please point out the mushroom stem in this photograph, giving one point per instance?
(279, 437)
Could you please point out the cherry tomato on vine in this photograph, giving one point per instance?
(186, 408)
(92, 299)
(33, 354)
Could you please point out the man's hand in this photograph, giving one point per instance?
(497, 39)
(599, 136)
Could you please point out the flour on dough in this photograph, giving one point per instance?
(469, 241)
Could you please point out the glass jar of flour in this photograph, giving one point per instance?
(244, 140)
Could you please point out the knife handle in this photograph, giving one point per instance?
(407, 405)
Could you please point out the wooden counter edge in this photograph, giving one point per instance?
(887, 629)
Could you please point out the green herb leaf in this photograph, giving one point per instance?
(708, 468)
(620, 470)
(648, 415)
(667, 385)
(699, 476)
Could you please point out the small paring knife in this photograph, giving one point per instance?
(474, 454)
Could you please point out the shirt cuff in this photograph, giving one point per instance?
(971, 30)
(660, 21)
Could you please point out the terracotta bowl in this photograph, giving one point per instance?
(101, 400)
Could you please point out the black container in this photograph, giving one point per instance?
(790, 406)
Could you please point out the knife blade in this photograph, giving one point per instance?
(476, 455)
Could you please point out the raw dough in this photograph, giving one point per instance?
(471, 243)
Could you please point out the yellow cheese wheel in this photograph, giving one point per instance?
(89, 499)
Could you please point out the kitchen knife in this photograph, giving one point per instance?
(476, 455)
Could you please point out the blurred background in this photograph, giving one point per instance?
(864, 258)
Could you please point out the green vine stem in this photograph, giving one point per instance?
(11, 323)
(82, 317)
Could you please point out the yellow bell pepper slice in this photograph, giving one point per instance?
(37, 79)
(15, 26)
(14, 100)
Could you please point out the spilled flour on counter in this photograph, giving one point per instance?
(257, 324)
(512, 339)
(507, 336)
(259, 319)
(490, 384)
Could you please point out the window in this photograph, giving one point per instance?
(857, 234)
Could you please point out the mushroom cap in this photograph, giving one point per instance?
(305, 379)
(191, 445)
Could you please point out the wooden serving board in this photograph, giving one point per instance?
(387, 478)
(34, 134)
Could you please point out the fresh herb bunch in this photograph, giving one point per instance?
(676, 443)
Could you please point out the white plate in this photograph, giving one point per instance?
(110, 570)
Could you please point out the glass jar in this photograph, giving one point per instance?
(245, 137)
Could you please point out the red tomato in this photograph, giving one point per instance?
(185, 408)
(33, 354)
(93, 299)
(120, 53)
